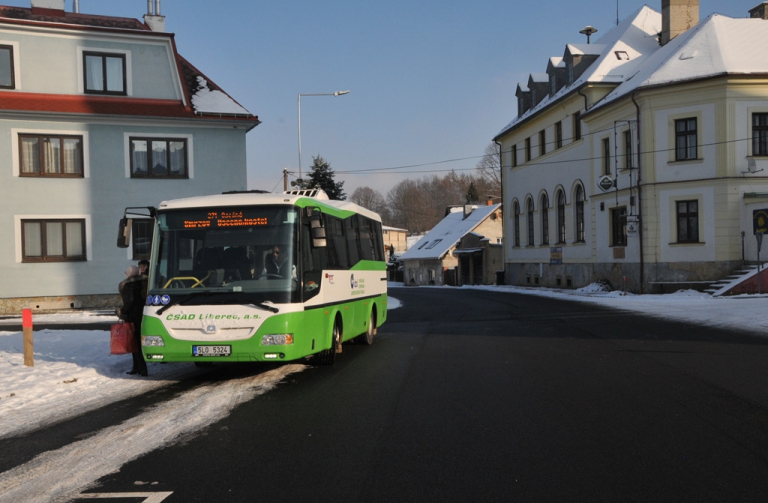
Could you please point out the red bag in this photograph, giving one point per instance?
(121, 339)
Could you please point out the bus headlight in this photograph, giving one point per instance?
(277, 339)
(152, 340)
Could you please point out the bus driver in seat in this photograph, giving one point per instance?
(275, 262)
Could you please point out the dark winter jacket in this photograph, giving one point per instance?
(133, 291)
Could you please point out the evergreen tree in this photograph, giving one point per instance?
(321, 177)
(472, 196)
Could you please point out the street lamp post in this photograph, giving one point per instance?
(337, 93)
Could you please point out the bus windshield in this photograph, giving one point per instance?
(247, 250)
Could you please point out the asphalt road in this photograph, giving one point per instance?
(485, 396)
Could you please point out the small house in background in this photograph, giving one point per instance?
(395, 238)
(480, 258)
(434, 260)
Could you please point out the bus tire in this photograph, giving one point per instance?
(367, 337)
(328, 356)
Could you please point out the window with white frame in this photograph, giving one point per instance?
(544, 219)
(530, 222)
(104, 73)
(7, 76)
(628, 149)
(579, 214)
(50, 155)
(560, 217)
(517, 223)
(53, 240)
(687, 221)
(159, 157)
(760, 134)
(686, 143)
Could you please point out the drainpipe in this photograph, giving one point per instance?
(639, 193)
(586, 102)
(501, 178)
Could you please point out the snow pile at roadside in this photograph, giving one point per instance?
(599, 286)
(73, 373)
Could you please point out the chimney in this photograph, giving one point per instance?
(489, 202)
(153, 18)
(677, 16)
(48, 7)
(759, 12)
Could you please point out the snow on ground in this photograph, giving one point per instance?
(745, 312)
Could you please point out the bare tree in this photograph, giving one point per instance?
(373, 200)
(490, 170)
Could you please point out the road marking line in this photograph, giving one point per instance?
(151, 497)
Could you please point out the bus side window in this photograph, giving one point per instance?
(366, 238)
(337, 246)
(351, 232)
(378, 242)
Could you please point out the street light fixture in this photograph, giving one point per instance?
(337, 93)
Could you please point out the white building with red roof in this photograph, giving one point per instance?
(99, 113)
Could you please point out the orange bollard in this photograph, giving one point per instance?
(26, 323)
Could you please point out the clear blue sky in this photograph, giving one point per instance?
(430, 81)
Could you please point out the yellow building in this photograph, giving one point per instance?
(641, 157)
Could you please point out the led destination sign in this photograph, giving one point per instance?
(225, 219)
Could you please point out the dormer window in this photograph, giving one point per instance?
(104, 73)
(6, 67)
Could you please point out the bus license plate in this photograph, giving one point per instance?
(211, 350)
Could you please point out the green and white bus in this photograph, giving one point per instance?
(215, 293)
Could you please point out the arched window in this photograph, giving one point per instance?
(579, 214)
(530, 221)
(544, 219)
(560, 217)
(517, 223)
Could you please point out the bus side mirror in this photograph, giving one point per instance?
(124, 233)
(317, 231)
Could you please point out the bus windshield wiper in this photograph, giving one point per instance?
(181, 301)
(266, 306)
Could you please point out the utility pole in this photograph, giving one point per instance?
(285, 179)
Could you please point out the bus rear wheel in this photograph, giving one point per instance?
(367, 337)
(328, 356)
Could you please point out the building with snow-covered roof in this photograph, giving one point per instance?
(98, 113)
(433, 259)
(645, 168)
